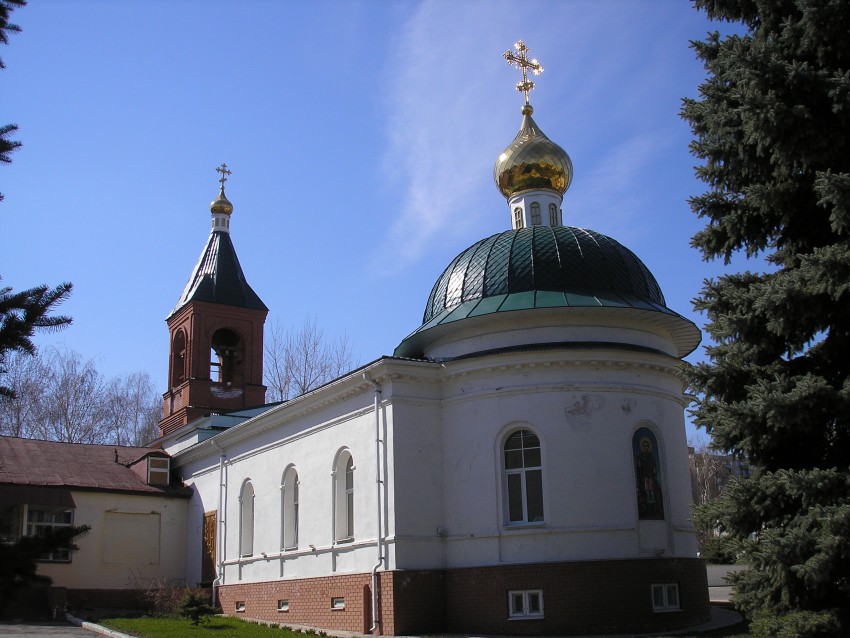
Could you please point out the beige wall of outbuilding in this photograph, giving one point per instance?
(134, 542)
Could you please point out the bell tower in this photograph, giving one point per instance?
(216, 332)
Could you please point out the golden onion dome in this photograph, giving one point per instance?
(221, 205)
(532, 162)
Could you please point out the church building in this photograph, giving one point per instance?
(518, 466)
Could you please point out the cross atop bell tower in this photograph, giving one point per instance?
(216, 332)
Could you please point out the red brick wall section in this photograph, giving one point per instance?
(416, 600)
(590, 597)
(309, 601)
(593, 597)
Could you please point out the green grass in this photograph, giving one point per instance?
(228, 627)
(215, 627)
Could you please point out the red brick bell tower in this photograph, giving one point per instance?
(216, 333)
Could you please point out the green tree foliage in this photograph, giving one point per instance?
(18, 560)
(772, 129)
(195, 606)
(22, 313)
(7, 145)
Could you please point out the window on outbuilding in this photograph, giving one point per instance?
(523, 474)
(43, 520)
(246, 520)
(289, 509)
(159, 470)
(344, 498)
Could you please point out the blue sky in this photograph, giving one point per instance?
(361, 136)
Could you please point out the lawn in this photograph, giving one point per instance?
(228, 627)
(215, 627)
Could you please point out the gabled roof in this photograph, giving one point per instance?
(218, 278)
(31, 462)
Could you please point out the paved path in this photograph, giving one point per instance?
(45, 629)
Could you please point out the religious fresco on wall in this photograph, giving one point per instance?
(648, 475)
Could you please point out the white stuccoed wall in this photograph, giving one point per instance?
(443, 425)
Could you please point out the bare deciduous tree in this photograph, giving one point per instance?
(709, 472)
(133, 409)
(297, 361)
(60, 397)
(73, 409)
(25, 378)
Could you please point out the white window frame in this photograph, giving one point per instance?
(343, 484)
(289, 509)
(510, 475)
(32, 528)
(283, 605)
(518, 218)
(337, 603)
(526, 612)
(665, 597)
(163, 472)
(246, 520)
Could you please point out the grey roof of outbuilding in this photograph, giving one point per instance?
(218, 277)
(32, 462)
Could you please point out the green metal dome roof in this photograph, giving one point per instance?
(578, 267)
(542, 267)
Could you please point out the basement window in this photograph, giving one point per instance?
(338, 603)
(283, 605)
(525, 604)
(665, 597)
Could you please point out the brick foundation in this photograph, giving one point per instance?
(593, 597)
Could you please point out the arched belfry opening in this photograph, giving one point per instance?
(226, 357)
(216, 358)
(178, 358)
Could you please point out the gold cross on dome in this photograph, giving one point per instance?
(224, 173)
(524, 65)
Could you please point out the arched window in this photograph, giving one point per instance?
(553, 215)
(517, 217)
(648, 477)
(246, 520)
(344, 498)
(178, 358)
(289, 509)
(535, 214)
(523, 478)
(225, 357)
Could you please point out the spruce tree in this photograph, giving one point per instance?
(772, 131)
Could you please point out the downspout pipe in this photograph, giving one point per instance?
(378, 543)
(219, 522)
